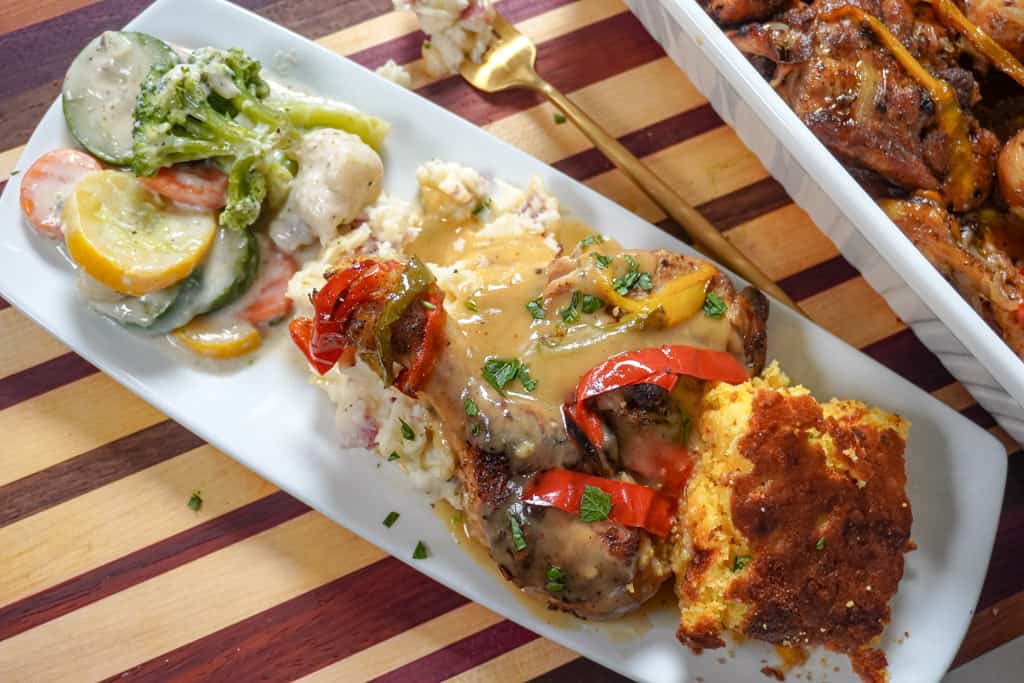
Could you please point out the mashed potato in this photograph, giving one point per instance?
(369, 414)
(456, 30)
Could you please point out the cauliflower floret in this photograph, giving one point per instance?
(339, 175)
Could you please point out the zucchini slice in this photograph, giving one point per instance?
(101, 86)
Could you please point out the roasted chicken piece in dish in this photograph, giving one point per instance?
(894, 89)
(834, 64)
(566, 391)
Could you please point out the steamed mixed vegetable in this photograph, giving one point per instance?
(198, 182)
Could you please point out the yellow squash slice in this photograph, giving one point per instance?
(129, 238)
(215, 337)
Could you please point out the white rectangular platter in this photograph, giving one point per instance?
(272, 420)
(972, 352)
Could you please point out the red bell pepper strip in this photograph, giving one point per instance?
(632, 505)
(661, 365)
(426, 354)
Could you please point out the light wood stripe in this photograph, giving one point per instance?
(955, 396)
(370, 33)
(187, 603)
(409, 646)
(760, 238)
(15, 14)
(729, 166)
(67, 421)
(8, 159)
(657, 90)
(521, 664)
(853, 311)
(120, 518)
(1004, 437)
(25, 344)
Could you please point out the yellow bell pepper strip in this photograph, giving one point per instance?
(680, 299)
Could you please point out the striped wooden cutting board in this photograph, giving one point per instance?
(104, 571)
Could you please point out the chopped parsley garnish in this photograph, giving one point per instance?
(595, 504)
(518, 541)
(633, 278)
(740, 562)
(591, 304)
(407, 432)
(556, 579)
(714, 307)
(485, 204)
(394, 456)
(471, 305)
(820, 545)
(535, 309)
(529, 383)
(427, 45)
(195, 502)
(559, 118)
(571, 313)
(427, 305)
(14, 173)
(390, 520)
(499, 372)
(477, 429)
(591, 240)
(471, 407)
(601, 260)
(420, 553)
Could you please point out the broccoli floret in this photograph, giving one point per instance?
(211, 107)
(215, 106)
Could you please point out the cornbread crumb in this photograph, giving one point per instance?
(780, 529)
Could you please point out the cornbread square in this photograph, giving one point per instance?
(795, 522)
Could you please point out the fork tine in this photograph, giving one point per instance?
(502, 27)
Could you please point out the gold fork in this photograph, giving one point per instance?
(509, 63)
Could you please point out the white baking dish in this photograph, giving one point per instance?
(944, 322)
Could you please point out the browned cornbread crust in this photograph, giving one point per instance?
(807, 545)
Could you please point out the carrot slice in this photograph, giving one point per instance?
(198, 185)
(269, 301)
(48, 182)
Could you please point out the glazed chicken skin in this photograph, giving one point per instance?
(847, 86)
(894, 89)
(513, 437)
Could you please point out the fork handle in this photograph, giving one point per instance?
(706, 237)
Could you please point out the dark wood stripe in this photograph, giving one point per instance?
(41, 378)
(645, 141)
(462, 655)
(745, 204)
(736, 207)
(559, 60)
(144, 564)
(92, 469)
(979, 416)
(405, 49)
(1004, 569)
(317, 18)
(308, 632)
(904, 354)
(581, 669)
(818, 278)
